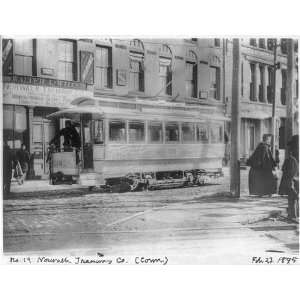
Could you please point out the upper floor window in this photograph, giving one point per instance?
(261, 88)
(217, 42)
(270, 84)
(283, 87)
(253, 81)
(66, 60)
(23, 57)
(215, 83)
(253, 42)
(165, 70)
(136, 66)
(270, 44)
(283, 46)
(103, 63)
(191, 75)
(262, 43)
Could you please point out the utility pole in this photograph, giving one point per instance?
(289, 125)
(235, 122)
(274, 97)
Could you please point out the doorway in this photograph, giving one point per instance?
(43, 132)
(87, 142)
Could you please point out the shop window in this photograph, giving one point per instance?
(23, 57)
(98, 134)
(136, 131)
(155, 132)
(136, 72)
(103, 62)
(215, 83)
(282, 133)
(242, 79)
(15, 130)
(172, 132)
(252, 137)
(188, 132)
(66, 60)
(191, 75)
(216, 133)
(202, 133)
(117, 131)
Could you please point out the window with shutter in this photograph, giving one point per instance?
(103, 64)
(23, 56)
(66, 60)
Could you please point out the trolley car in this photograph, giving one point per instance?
(143, 145)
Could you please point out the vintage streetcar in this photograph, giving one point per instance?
(146, 144)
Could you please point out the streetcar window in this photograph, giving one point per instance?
(188, 131)
(155, 132)
(117, 131)
(136, 131)
(202, 133)
(98, 135)
(172, 132)
(216, 133)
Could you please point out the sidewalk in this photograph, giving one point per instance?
(31, 186)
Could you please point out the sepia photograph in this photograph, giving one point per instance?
(150, 151)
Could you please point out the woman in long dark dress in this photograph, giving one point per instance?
(261, 179)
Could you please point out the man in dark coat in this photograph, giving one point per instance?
(70, 134)
(23, 157)
(261, 179)
(7, 169)
(289, 184)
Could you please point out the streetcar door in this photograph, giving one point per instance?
(87, 142)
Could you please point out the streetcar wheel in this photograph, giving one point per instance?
(136, 185)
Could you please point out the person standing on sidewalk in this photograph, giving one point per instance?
(289, 184)
(23, 157)
(261, 178)
(7, 169)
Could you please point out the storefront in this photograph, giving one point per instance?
(25, 110)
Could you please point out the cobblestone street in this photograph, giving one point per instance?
(201, 224)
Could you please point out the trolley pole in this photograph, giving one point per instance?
(289, 126)
(235, 122)
(274, 98)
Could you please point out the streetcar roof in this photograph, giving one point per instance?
(96, 110)
(75, 112)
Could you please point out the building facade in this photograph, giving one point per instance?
(256, 97)
(41, 76)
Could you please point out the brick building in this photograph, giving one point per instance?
(41, 76)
